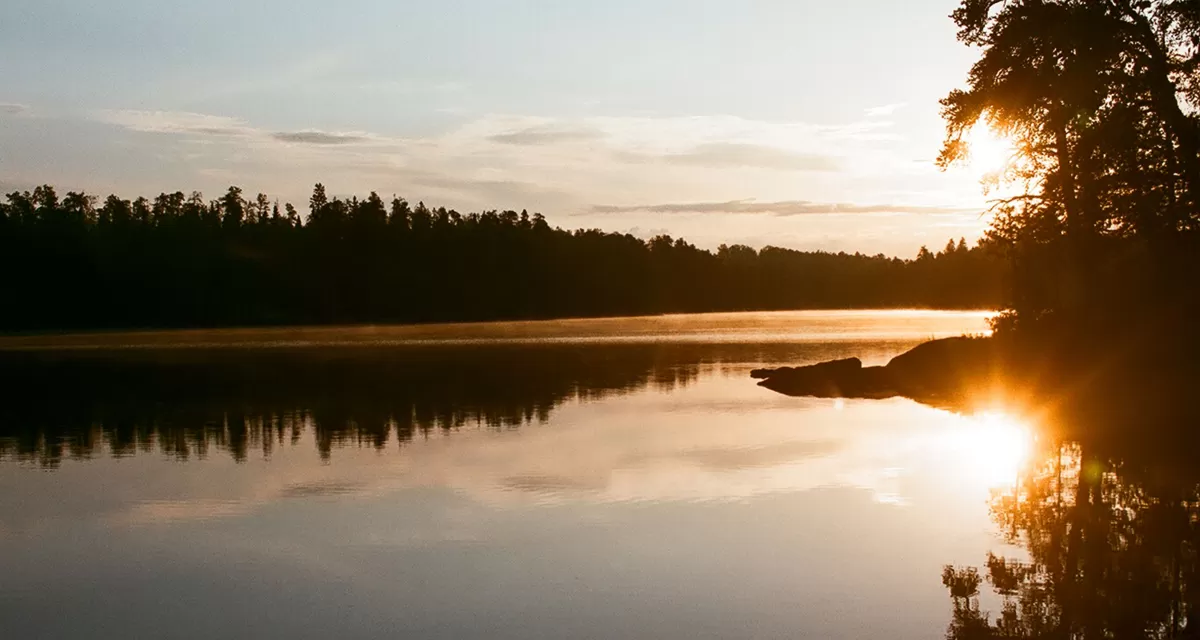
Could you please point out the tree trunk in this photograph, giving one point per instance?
(1071, 286)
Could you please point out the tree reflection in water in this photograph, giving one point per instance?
(192, 402)
(1109, 518)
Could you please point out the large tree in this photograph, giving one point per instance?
(1099, 99)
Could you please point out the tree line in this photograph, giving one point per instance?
(1099, 206)
(180, 260)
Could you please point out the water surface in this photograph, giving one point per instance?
(619, 478)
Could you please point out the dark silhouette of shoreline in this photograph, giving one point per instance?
(175, 261)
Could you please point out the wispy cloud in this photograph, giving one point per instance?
(591, 171)
(785, 208)
(205, 125)
(732, 154)
(12, 108)
(885, 110)
(175, 122)
(310, 136)
(487, 190)
(546, 135)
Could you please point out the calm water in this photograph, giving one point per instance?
(583, 479)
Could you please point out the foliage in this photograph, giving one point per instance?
(1099, 99)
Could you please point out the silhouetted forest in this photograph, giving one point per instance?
(180, 260)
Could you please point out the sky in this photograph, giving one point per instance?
(796, 123)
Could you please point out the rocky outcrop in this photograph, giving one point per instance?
(832, 368)
(939, 369)
(834, 379)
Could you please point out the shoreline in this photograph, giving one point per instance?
(1105, 385)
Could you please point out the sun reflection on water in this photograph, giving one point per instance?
(993, 447)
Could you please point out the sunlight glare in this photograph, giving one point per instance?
(989, 153)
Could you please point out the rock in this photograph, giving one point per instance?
(830, 368)
(874, 382)
(834, 379)
(935, 369)
(951, 366)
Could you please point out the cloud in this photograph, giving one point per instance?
(785, 208)
(310, 136)
(489, 192)
(631, 167)
(175, 122)
(205, 125)
(217, 131)
(546, 135)
(12, 108)
(885, 110)
(731, 154)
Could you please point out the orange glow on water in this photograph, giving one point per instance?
(994, 447)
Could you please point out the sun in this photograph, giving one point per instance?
(989, 153)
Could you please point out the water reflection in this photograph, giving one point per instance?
(187, 403)
(636, 423)
(1107, 520)
(996, 449)
(193, 402)
(501, 491)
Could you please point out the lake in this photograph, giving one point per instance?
(613, 478)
